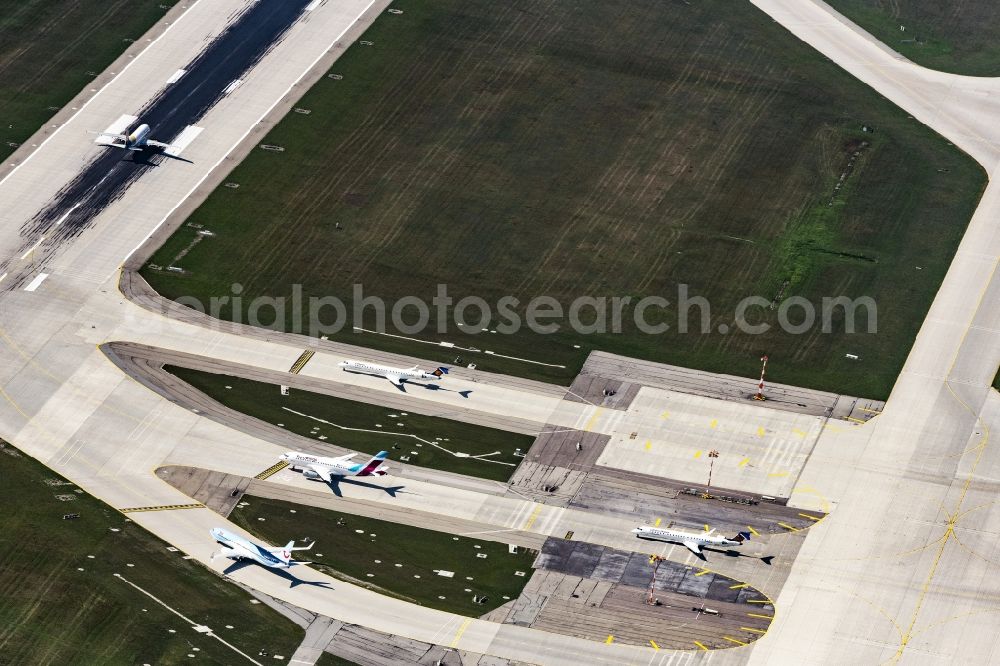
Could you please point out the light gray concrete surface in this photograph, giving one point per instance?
(902, 570)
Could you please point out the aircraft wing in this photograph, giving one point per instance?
(159, 144)
(395, 379)
(323, 471)
(694, 547)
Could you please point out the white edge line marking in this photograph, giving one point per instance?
(313, 5)
(97, 94)
(176, 76)
(37, 282)
(242, 138)
(3, 277)
(232, 86)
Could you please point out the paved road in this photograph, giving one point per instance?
(903, 567)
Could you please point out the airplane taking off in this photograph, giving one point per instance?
(341, 467)
(238, 548)
(137, 140)
(395, 375)
(693, 541)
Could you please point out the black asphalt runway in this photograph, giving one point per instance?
(249, 37)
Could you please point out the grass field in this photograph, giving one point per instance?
(377, 428)
(959, 37)
(50, 51)
(327, 659)
(381, 546)
(61, 603)
(617, 148)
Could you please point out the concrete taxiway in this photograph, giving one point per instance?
(902, 569)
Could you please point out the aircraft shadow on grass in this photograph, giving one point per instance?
(391, 491)
(283, 573)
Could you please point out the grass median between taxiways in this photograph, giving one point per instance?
(948, 36)
(50, 51)
(403, 561)
(614, 148)
(427, 441)
(62, 603)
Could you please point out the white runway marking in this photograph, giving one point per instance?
(312, 5)
(232, 86)
(33, 247)
(183, 140)
(117, 127)
(176, 76)
(3, 277)
(37, 282)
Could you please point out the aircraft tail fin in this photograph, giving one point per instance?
(372, 466)
(440, 372)
(741, 537)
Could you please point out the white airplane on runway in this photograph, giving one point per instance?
(137, 140)
(693, 541)
(395, 375)
(328, 469)
(238, 548)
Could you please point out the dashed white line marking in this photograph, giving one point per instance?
(176, 76)
(2, 277)
(312, 5)
(37, 282)
(33, 247)
(232, 86)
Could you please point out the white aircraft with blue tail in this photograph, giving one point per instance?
(237, 548)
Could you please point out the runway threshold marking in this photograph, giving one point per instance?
(655, 646)
(461, 630)
(789, 527)
(806, 515)
(272, 470)
(753, 631)
(301, 361)
(610, 639)
(733, 640)
(753, 531)
(532, 518)
(701, 645)
(162, 507)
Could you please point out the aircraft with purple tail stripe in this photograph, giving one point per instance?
(332, 469)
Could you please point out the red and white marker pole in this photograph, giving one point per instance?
(760, 386)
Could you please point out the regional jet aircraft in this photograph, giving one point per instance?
(693, 541)
(237, 548)
(329, 469)
(395, 375)
(137, 140)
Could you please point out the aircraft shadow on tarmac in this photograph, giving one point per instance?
(143, 157)
(410, 382)
(283, 573)
(391, 491)
(766, 559)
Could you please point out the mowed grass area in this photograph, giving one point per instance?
(61, 603)
(327, 659)
(425, 440)
(354, 547)
(959, 37)
(50, 51)
(613, 148)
